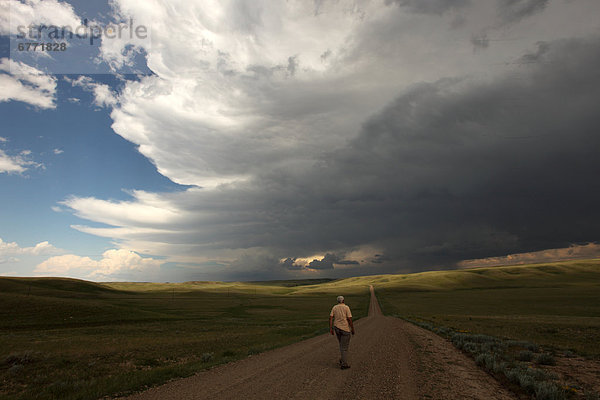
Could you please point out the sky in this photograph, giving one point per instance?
(247, 140)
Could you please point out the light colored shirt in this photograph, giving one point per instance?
(340, 313)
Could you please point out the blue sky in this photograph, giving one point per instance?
(257, 140)
(91, 161)
(75, 153)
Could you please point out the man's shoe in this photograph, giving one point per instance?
(345, 367)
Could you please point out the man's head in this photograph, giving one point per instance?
(340, 299)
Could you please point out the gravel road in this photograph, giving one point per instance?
(390, 359)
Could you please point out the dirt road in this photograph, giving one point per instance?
(390, 359)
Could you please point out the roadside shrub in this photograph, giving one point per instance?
(532, 347)
(493, 355)
(484, 359)
(542, 375)
(548, 391)
(512, 375)
(443, 331)
(545, 359)
(499, 367)
(526, 345)
(525, 355)
(457, 338)
(482, 338)
(490, 362)
(526, 381)
(206, 357)
(471, 348)
(425, 325)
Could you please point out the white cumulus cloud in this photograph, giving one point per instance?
(16, 164)
(103, 95)
(21, 82)
(114, 264)
(17, 13)
(225, 92)
(12, 248)
(240, 87)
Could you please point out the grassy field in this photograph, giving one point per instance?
(555, 305)
(69, 339)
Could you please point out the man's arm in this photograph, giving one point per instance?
(351, 324)
(331, 324)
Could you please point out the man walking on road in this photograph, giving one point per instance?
(340, 321)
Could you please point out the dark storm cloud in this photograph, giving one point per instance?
(292, 65)
(536, 56)
(327, 262)
(379, 259)
(452, 169)
(325, 55)
(480, 41)
(290, 263)
(347, 262)
(430, 6)
(324, 263)
(512, 11)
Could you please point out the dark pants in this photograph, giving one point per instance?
(344, 339)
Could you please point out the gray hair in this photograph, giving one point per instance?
(340, 299)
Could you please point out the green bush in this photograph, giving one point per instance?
(523, 344)
(506, 357)
(484, 359)
(545, 390)
(545, 359)
(525, 355)
(471, 348)
(499, 367)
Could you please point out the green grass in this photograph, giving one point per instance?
(555, 305)
(512, 320)
(71, 339)
(508, 361)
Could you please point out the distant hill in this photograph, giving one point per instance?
(556, 274)
(55, 287)
(293, 282)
